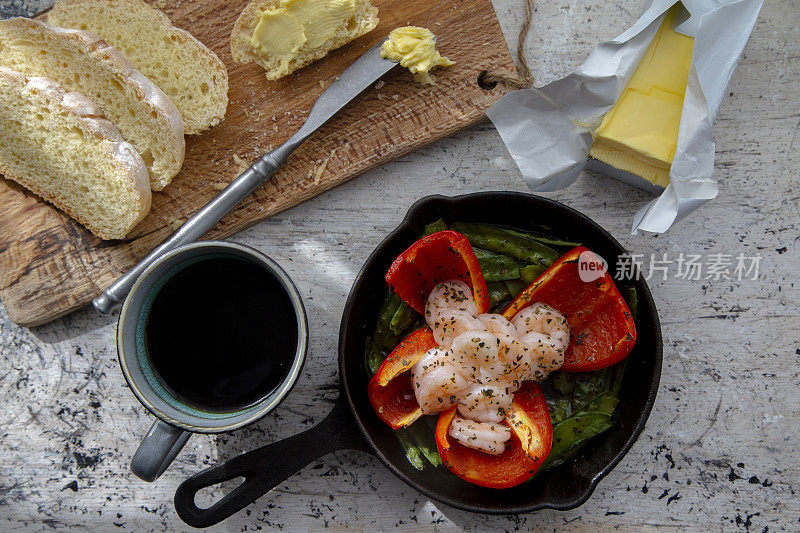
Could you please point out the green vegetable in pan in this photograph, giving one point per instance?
(581, 407)
(433, 227)
(413, 453)
(374, 357)
(570, 435)
(498, 267)
(549, 241)
(422, 433)
(530, 273)
(402, 319)
(515, 286)
(632, 299)
(501, 241)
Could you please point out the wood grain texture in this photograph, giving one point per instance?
(50, 265)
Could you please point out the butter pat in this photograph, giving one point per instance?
(282, 32)
(415, 49)
(279, 34)
(640, 133)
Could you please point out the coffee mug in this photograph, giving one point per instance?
(176, 417)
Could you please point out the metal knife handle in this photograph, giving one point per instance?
(196, 226)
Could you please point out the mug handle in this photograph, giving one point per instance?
(158, 449)
(265, 468)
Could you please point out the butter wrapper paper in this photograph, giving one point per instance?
(548, 130)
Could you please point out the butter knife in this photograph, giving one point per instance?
(364, 71)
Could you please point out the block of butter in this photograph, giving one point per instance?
(640, 109)
(640, 133)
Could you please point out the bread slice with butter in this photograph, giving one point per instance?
(82, 62)
(57, 144)
(183, 67)
(285, 35)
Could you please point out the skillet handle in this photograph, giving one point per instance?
(265, 468)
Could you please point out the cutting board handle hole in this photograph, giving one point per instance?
(484, 82)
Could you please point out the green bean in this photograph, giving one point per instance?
(403, 317)
(499, 268)
(590, 385)
(382, 335)
(632, 299)
(619, 373)
(549, 241)
(501, 241)
(388, 343)
(482, 253)
(560, 409)
(413, 453)
(502, 261)
(373, 356)
(433, 227)
(515, 286)
(563, 382)
(605, 403)
(531, 272)
(390, 307)
(423, 436)
(570, 435)
(497, 293)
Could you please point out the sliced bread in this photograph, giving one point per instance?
(183, 67)
(57, 144)
(81, 62)
(363, 17)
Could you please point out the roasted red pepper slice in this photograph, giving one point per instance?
(602, 330)
(439, 257)
(390, 391)
(531, 440)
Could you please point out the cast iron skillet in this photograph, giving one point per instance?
(352, 424)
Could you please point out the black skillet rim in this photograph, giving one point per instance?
(644, 294)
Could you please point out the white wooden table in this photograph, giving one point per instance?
(720, 451)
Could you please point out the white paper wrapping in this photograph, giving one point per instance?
(548, 130)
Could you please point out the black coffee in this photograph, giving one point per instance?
(221, 334)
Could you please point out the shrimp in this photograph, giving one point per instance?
(486, 403)
(450, 311)
(498, 325)
(451, 323)
(487, 358)
(437, 382)
(546, 332)
(517, 359)
(486, 437)
(478, 355)
(451, 295)
(482, 361)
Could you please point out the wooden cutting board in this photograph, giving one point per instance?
(50, 265)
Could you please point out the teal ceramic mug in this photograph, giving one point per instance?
(177, 419)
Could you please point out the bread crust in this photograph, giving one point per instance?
(245, 25)
(167, 118)
(182, 38)
(85, 115)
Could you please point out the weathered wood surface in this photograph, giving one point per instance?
(50, 265)
(719, 452)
